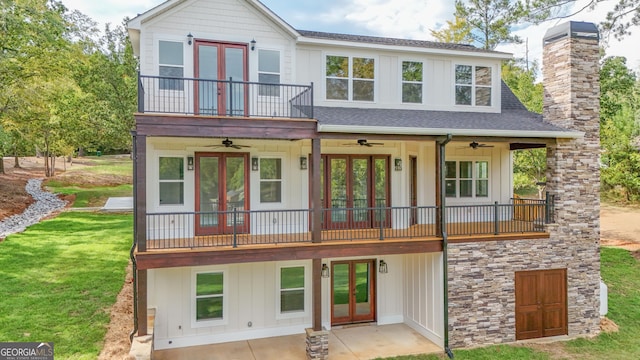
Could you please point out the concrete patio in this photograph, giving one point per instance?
(349, 343)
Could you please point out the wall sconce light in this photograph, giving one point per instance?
(383, 267)
(253, 44)
(189, 39)
(303, 163)
(189, 162)
(254, 164)
(397, 164)
(325, 271)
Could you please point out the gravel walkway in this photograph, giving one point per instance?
(46, 203)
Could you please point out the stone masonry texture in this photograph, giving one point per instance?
(482, 274)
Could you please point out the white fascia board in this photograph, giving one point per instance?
(275, 18)
(137, 21)
(454, 132)
(352, 44)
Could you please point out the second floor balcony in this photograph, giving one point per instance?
(224, 98)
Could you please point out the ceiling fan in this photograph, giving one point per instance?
(228, 144)
(474, 145)
(364, 142)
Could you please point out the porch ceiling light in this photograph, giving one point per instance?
(383, 269)
(325, 271)
(253, 44)
(189, 39)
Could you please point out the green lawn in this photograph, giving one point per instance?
(621, 272)
(59, 279)
(94, 196)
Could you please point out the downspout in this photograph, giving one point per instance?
(443, 230)
(133, 243)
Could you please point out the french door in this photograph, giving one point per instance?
(221, 187)
(352, 291)
(352, 187)
(217, 64)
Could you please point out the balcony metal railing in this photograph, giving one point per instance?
(170, 95)
(272, 227)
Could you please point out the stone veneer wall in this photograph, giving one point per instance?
(482, 275)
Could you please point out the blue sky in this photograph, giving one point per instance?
(410, 19)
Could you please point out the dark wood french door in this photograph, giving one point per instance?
(353, 291)
(221, 187)
(541, 303)
(352, 187)
(220, 63)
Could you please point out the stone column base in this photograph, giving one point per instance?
(317, 345)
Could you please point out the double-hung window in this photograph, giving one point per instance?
(171, 64)
(268, 72)
(412, 82)
(270, 180)
(467, 179)
(171, 178)
(350, 78)
(291, 291)
(473, 85)
(209, 296)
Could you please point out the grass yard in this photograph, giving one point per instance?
(95, 179)
(59, 279)
(621, 273)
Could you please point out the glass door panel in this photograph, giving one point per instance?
(363, 289)
(235, 185)
(360, 191)
(209, 194)
(338, 190)
(341, 293)
(208, 91)
(381, 188)
(235, 70)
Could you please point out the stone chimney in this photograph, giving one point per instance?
(572, 101)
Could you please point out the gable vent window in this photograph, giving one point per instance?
(473, 85)
(171, 64)
(350, 78)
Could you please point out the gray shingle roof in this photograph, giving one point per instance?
(394, 41)
(513, 119)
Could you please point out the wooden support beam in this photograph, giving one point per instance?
(140, 191)
(438, 172)
(317, 294)
(316, 205)
(141, 280)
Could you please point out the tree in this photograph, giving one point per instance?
(490, 21)
(457, 31)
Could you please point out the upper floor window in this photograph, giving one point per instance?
(268, 72)
(473, 85)
(171, 64)
(350, 78)
(270, 180)
(412, 82)
(467, 179)
(171, 178)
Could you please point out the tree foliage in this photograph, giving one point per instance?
(457, 31)
(63, 86)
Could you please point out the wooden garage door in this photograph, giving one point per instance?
(541, 303)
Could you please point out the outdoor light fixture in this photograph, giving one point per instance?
(398, 164)
(254, 164)
(303, 163)
(325, 271)
(189, 162)
(253, 44)
(189, 39)
(383, 267)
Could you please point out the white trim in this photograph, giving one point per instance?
(473, 198)
(444, 131)
(225, 297)
(207, 339)
(432, 336)
(422, 83)
(391, 319)
(160, 181)
(385, 47)
(307, 290)
(350, 78)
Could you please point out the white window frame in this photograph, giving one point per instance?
(184, 69)
(160, 181)
(350, 78)
(474, 179)
(279, 73)
(403, 81)
(307, 290)
(281, 180)
(474, 86)
(225, 298)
